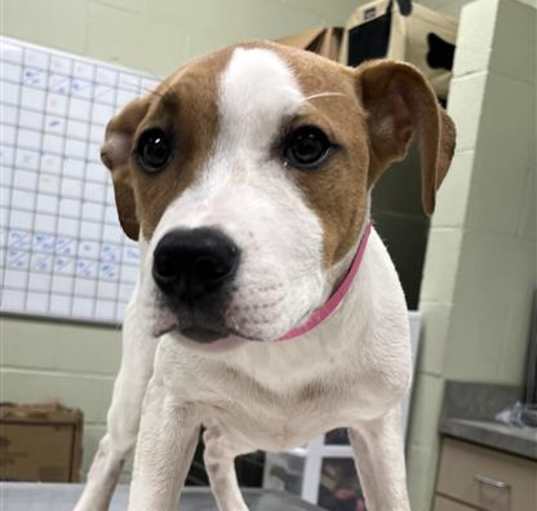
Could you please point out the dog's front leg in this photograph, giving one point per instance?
(168, 436)
(138, 353)
(219, 457)
(380, 460)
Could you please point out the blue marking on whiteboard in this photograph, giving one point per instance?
(80, 85)
(110, 254)
(33, 77)
(44, 242)
(65, 246)
(17, 259)
(43, 263)
(61, 86)
(131, 254)
(60, 263)
(19, 239)
(63, 264)
(109, 271)
(85, 268)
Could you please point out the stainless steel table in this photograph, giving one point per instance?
(62, 497)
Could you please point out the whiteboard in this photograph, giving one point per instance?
(63, 253)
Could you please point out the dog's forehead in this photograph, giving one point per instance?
(260, 78)
(257, 88)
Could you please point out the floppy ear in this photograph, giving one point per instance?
(115, 154)
(401, 106)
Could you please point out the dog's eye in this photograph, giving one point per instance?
(153, 149)
(306, 147)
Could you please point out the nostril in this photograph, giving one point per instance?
(210, 269)
(165, 267)
(214, 267)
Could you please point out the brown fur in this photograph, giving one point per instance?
(338, 191)
(376, 112)
(190, 111)
(385, 105)
(185, 103)
(401, 107)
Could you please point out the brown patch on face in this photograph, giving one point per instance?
(184, 106)
(373, 112)
(337, 191)
(188, 112)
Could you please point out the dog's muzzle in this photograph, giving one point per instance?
(194, 270)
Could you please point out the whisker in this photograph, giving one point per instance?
(324, 95)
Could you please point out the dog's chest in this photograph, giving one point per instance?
(283, 424)
(281, 412)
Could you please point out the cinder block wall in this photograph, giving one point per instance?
(76, 364)
(480, 266)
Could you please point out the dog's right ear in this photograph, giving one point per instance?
(115, 154)
(401, 106)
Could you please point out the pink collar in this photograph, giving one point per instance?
(319, 315)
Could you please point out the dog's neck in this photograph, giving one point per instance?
(341, 283)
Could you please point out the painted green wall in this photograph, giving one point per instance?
(157, 36)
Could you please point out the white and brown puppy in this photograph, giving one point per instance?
(246, 178)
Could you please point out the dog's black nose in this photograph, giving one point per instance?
(192, 263)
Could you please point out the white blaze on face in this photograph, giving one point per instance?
(258, 90)
(245, 190)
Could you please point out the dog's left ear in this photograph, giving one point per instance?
(401, 106)
(115, 154)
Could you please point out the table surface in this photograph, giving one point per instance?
(62, 497)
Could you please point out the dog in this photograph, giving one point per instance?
(267, 309)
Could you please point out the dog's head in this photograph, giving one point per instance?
(247, 173)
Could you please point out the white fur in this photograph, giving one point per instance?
(352, 370)
(249, 195)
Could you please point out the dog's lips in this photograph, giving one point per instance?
(167, 322)
(203, 335)
(162, 328)
(197, 334)
(186, 323)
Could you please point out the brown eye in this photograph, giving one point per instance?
(153, 150)
(306, 147)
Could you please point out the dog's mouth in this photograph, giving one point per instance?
(218, 316)
(169, 323)
(203, 335)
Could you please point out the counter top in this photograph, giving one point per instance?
(514, 440)
(468, 414)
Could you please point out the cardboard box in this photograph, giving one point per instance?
(40, 443)
(416, 34)
(401, 30)
(323, 41)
